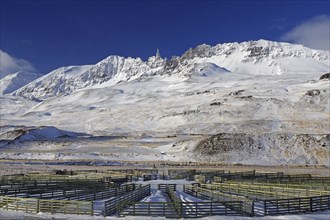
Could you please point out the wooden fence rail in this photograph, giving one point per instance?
(248, 204)
(296, 205)
(175, 199)
(55, 191)
(28, 178)
(296, 180)
(270, 177)
(19, 204)
(49, 184)
(263, 192)
(104, 194)
(66, 207)
(111, 206)
(186, 210)
(87, 195)
(34, 191)
(164, 187)
(302, 185)
(41, 205)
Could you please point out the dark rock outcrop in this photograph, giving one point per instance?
(325, 76)
(313, 92)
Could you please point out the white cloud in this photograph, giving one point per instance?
(314, 33)
(9, 64)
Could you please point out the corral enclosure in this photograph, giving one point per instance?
(186, 193)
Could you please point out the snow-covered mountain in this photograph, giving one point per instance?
(12, 82)
(112, 69)
(54, 83)
(254, 57)
(261, 57)
(256, 102)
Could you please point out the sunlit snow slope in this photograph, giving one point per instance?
(12, 82)
(254, 102)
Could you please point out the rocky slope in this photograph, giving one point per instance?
(270, 148)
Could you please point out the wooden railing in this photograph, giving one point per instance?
(164, 187)
(175, 199)
(42, 205)
(101, 195)
(296, 205)
(263, 192)
(301, 185)
(111, 206)
(56, 190)
(187, 209)
(6, 188)
(248, 204)
(148, 177)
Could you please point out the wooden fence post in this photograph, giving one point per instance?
(149, 211)
(181, 210)
(78, 208)
(7, 202)
(211, 212)
(92, 208)
(252, 208)
(118, 209)
(38, 206)
(105, 210)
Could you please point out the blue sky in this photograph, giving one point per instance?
(44, 35)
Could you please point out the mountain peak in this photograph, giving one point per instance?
(261, 57)
(14, 81)
(158, 54)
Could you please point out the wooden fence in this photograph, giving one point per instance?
(165, 209)
(67, 203)
(263, 192)
(297, 179)
(181, 174)
(175, 199)
(281, 200)
(49, 192)
(51, 184)
(301, 185)
(92, 196)
(56, 190)
(101, 176)
(42, 205)
(179, 209)
(164, 187)
(296, 205)
(187, 209)
(199, 192)
(111, 206)
(148, 177)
